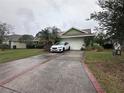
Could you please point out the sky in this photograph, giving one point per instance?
(29, 16)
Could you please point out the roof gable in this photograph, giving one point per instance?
(73, 32)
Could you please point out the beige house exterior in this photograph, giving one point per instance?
(75, 37)
(13, 42)
(18, 45)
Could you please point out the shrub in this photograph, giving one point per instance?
(89, 48)
(30, 46)
(39, 46)
(4, 46)
(108, 46)
(33, 46)
(97, 47)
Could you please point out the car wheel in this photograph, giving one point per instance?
(51, 51)
(63, 49)
(69, 48)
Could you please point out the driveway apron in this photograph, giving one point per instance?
(61, 74)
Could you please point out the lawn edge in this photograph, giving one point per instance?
(11, 60)
(93, 80)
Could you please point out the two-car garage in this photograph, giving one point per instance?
(75, 43)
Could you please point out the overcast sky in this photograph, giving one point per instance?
(29, 16)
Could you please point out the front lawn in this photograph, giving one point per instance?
(9, 55)
(108, 70)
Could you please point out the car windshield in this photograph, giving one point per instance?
(60, 43)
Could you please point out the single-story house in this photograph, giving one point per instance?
(75, 37)
(13, 41)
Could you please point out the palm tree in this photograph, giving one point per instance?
(48, 36)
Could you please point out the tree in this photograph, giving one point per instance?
(48, 36)
(89, 41)
(111, 18)
(4, 30)
(28, 39)
(55, 35)
(100, 38)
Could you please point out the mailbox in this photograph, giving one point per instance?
(118, 52)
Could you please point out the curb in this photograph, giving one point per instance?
(93, 80)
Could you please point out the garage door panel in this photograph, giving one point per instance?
(75, 43)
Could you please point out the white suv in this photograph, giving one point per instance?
(60, 47)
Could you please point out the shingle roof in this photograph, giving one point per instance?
(87, 30)
(13, 37)
(81, 33)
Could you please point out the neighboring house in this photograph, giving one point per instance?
(13, 41)
(75, 37)
(36, 40)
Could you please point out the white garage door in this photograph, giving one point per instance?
(75, 43)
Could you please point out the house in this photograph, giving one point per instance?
(75, 37)
(13, 41)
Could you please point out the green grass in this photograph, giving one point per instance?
(108, 70)
(98, 56)
(9, 55)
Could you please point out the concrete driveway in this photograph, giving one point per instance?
(50, 73)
